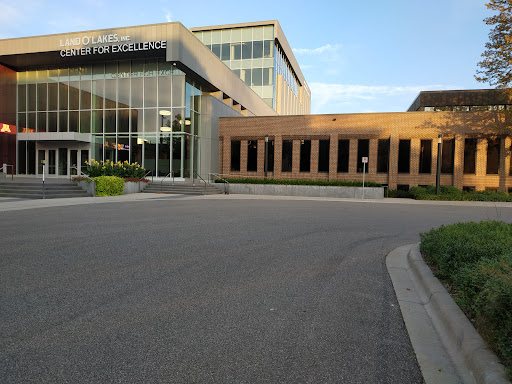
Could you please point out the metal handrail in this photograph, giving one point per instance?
(12, 170)
(148, 174)
(204, 181)
(226, 183)
(79, 174)
(162, 182)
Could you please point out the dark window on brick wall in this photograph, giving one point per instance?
(323, 155)
(252, 155)
(235, 155)
(287, 156)
(493, 156)
(343, 155)
(425, 156)
(470, 156)
(363, 150)
(404, 156)
(383, 156)
(468, 188)
(305, 156)
(402, 187)
(447, 156)
(270, 166)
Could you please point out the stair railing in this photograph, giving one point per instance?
(79, 174)
(162, 182)
(226, 183)
(7, 167)
(203, 180)
(148, 174)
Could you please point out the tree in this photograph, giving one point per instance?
(496, 66)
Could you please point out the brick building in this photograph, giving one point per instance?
(401, 147)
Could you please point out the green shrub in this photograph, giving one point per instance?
(449, 193)
(119, 169)
(109, 185)
(475, 260)
(336, 183)
(398, 193)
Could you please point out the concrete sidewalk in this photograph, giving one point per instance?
(14, 204)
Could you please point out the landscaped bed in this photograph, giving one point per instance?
(474, 262)
(338, 183)
(449, 193)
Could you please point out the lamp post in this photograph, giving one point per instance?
(438, 176)
(266, 156)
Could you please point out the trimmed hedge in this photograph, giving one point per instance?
(109, 168)
(449, 193)
(475, 261)
(109, 185)
(338, 183)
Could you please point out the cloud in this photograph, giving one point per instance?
(328, 48)
(339, 96)
(168, 16)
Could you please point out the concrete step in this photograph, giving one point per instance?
(181, 188)
(35, 190)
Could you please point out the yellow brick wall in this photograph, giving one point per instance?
(413, 126)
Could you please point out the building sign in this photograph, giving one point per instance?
(95, 45)
(6, 128)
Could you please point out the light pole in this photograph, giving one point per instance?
(266, 156)
(438, 176)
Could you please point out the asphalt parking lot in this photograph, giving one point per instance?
(210, 290)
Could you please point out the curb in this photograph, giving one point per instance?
(447, 346)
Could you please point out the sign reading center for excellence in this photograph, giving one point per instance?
(95, 45)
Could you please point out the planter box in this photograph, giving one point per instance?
(129, 187)
(305, 190)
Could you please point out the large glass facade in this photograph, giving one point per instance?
(144, 111)
(249, 52)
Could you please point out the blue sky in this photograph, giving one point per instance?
(371, 56)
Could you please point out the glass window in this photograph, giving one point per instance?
(343, 155)
(41, 122)
(136, 92)
(470, 156)
(123, 93)
(150, 92)
(32, 97)
(73, 121)
(268, 76)
(305, 155)
(235, 155)
(164, 91)
(270, 155)
(257, 76)
(123, 121)
(110, 121)
(52, 121)
(447, 156)
(287, 156)
(493, 156)
(63, 121)
(178, 90)
(74, 95)
(22, 98)
(41, 97)
(245, 75)
(136, 149)
(150, 120)
(257, 49)
(85, 94)
(363, 150)
(97, 122)
(31, 122)
(85, 122)
(323, 155)
(268, 48)
(216, 49)
(252, 155)
(98, 92)
(236, 51)
(383, 156)
(425, 156)
(225, 51)
(404, 157)
(22, 122)
(247, 50)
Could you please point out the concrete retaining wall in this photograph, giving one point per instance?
(129, 187)
(304, 190)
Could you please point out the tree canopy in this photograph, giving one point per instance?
(496, 66)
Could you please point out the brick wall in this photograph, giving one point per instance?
(413, 126)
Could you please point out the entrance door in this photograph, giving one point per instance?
(63, 161)
(73, 158)
(51, 161)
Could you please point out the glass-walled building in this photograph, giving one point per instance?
(259, 54)
(149, 94)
